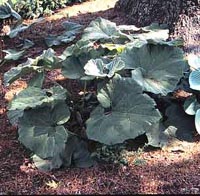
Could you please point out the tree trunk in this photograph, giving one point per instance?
(182, 17)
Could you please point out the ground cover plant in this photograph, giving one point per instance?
(132, 69)
(38, 8)
(133, 166)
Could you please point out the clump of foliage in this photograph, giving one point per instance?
(16, 27)
(7, 16)
(38, 8)
(133, 71)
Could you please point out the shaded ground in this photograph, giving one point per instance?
(167, 171)
(182, 17)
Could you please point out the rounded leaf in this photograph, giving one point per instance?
(194, 80)
(157, 68)
(132, 112)
(41, 131)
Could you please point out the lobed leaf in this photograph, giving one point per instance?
(157, 68)
(132, 113)
(41, 130)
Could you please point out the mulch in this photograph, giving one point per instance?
(156, 172)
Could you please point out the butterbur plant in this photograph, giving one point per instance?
(127, 66)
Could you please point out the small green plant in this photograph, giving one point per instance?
(38, 8)
(129, 79)
(8, 16)
(16, 28)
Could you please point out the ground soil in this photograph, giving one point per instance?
(173, 170)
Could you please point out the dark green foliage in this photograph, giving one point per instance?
(37, 8)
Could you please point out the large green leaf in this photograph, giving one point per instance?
(138, 43)
(32, 97)
(128, 28)
(49, 60)
(102, 29)
(69, 51)
(83, 48)
(177, 126)
(132, 113)
(97, 67)
(157, 68)
(194, 80)
(41, 130)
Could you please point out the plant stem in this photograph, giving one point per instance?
(2, 63)
(84, 92)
